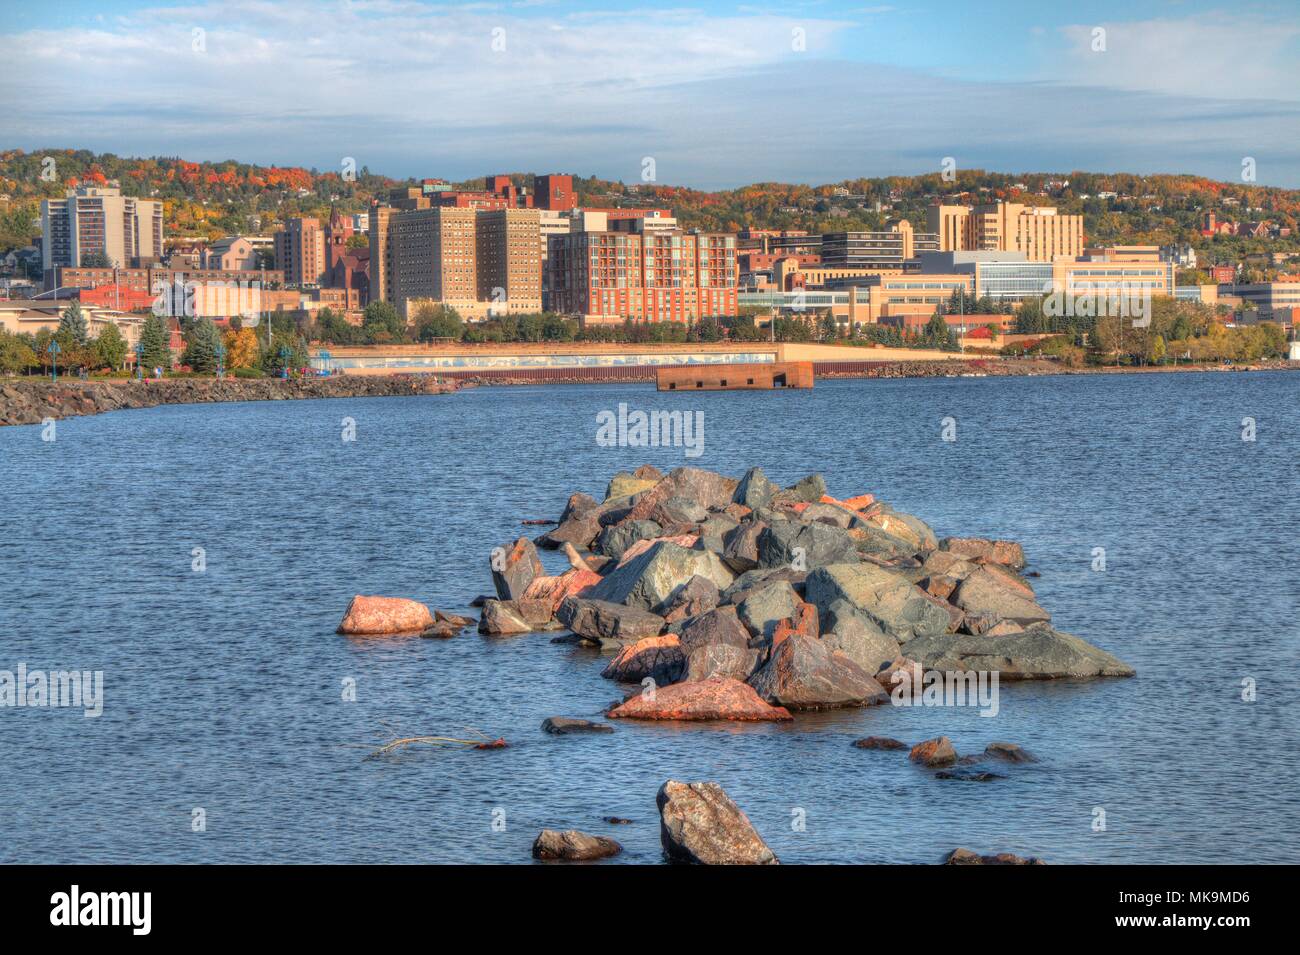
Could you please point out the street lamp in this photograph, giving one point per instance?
(139, 360)
(285, 355)
(221, 360)
(53, 349)
(323, 356)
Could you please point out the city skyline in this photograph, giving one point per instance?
(861, 91)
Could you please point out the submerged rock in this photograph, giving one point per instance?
(967, 857)
(699, 824)
(573, 845)
(375, 616)
(1009, 753)
(934, 752)
(564, 725)
(969, 775)
(879, 742)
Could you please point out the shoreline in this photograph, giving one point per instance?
(32, 400)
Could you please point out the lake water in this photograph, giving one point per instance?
(223, 690)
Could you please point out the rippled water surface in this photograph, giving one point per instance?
(223, 689)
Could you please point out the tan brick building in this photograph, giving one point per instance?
(1038, 231)
(300, 251)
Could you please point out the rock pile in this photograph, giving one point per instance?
(739, 599)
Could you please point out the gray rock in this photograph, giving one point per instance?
(966, 857)
(1037, 653)
(573, 845)
(987, 592)
(703, 487)
(754, 489)
(885, 597)
(828, 514)
(709, 660)
(699, 824)
(761, 610)
(504, 617)
(1009, 753)
(752, 580)
(740, 546)
(879, 742)
(516, 569)
(810, 489)
(698, 595)
(859, 638)
(714, 530)
(720, 626)
(564, 725)
(650, 578)
(624, 484)
(614, 540)
(579, 530)
(969, 775)
(608, 622)
(803, 546)
(679, 510)
(803, 673)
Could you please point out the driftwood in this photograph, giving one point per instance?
(484, 742)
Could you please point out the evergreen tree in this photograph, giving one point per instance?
(155, 339)
(73, 324)
(201, 347)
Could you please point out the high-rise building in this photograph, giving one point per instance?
(1038, 231)
(554, 192)
(94, 221)
(646, 274)
(300, 251)
(482, 263)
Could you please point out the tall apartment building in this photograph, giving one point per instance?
(1038, 231)
(482, 262)
(300, 251)
(649, 275)
(92, 220)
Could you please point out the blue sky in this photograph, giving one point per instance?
(718, 94)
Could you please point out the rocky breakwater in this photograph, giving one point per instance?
(725, 598)
(32, 400)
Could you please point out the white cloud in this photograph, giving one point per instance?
(1212, 55)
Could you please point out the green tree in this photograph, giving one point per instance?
(437, 321)
(96, 260)
(201, 344)
(155, 340)
(74, 325)
(16, 354)
(382, 323)
(110, 347)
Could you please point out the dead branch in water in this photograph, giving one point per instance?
(484, 742)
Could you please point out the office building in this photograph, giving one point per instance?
(1038, 231)
(91, 222)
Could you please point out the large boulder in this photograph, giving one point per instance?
(552, 591)
(700, 824)
(753, 580)
(605, 621)
(754, 490)
(1037, 653)
(573, 845)
(579, 530)
(859, 638)
(883, 596)
(987, 592)
(714, 699)
(703, 487)
(678, 510)
(1004, 552)
(710, 661)
(649, 579)
(659, 658)
(624, 484)
(967, 857)
(514, 570)
(697, 596)
(810, 489)
(507, 617)
(718, 626)
(714, 530)
(373, 616)
(804, 674)
(803, 546)
(617, 538)
(765, 606)
(740, 546)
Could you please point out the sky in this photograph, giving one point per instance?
(714, 95)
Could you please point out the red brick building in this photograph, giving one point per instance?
(653, 276)
(555, 192)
